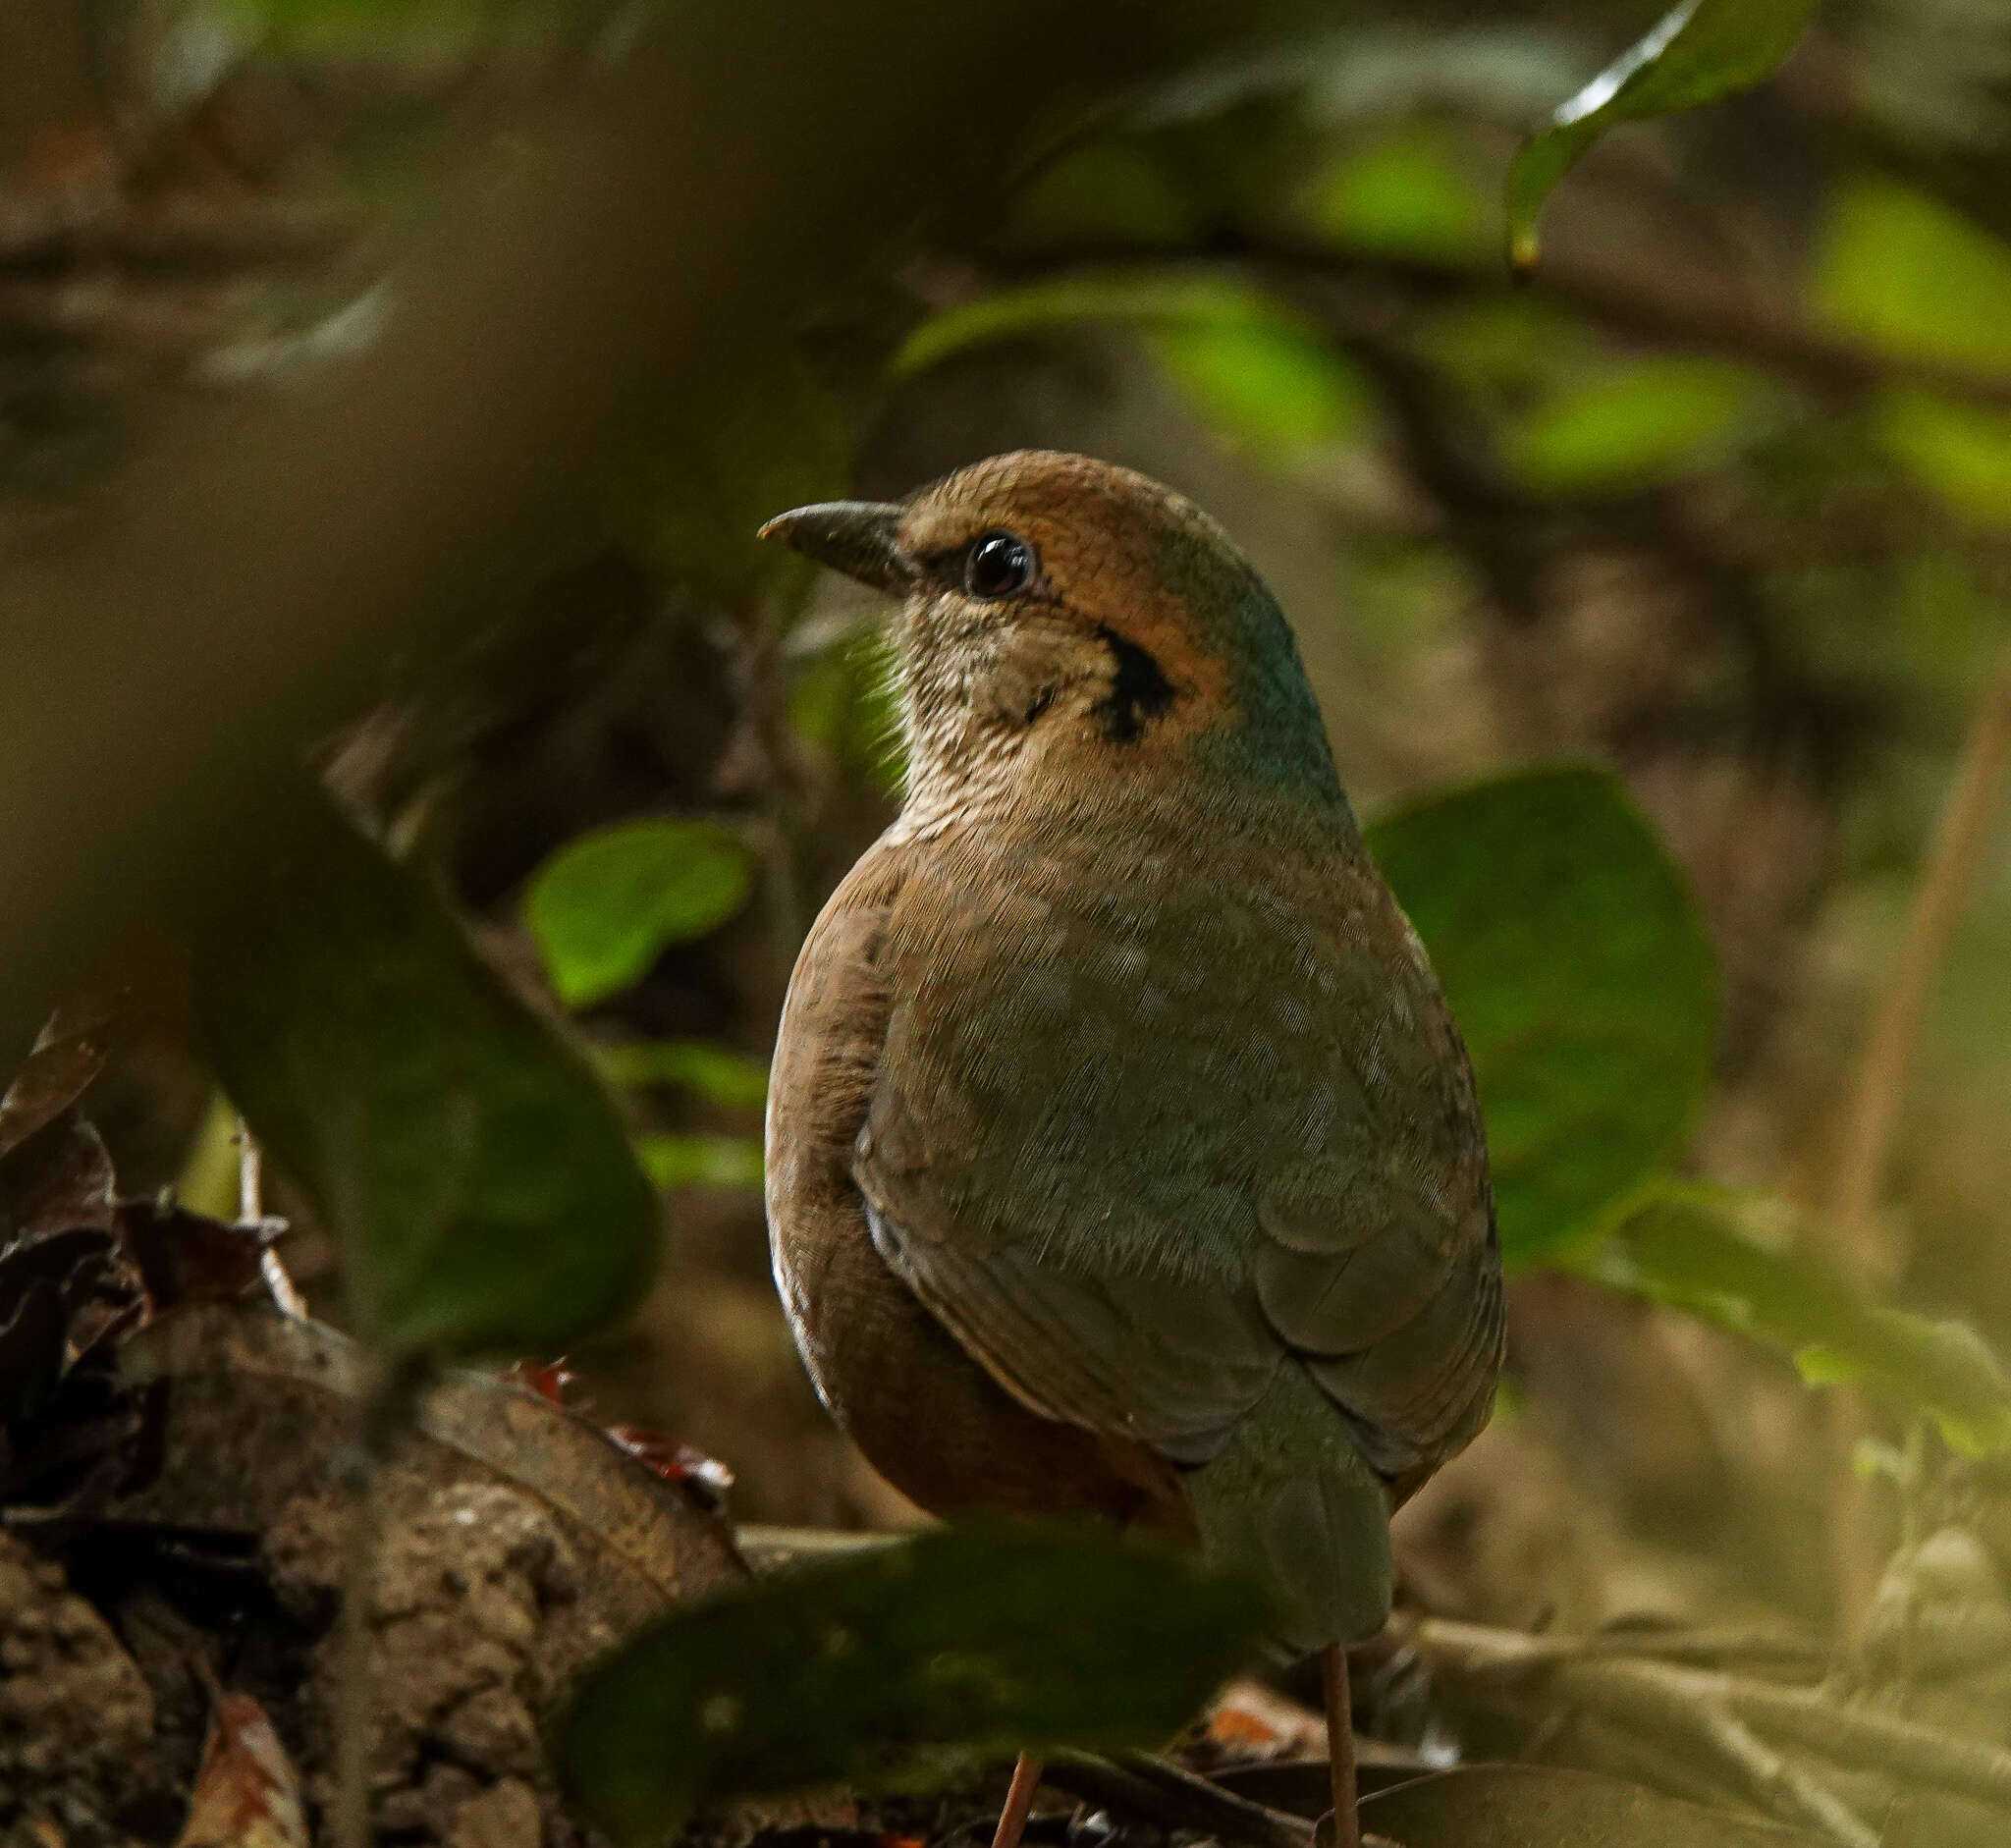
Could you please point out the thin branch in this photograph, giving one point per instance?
(1915, 1756)
(181, 235)
(1911, 1753)
(1865, 1246)
(1657, 309)
(1669, 1704)
(75, 310)
(1165, 1794)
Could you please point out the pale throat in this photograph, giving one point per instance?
(978, 727)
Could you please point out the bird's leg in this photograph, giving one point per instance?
(1026, 1777)
(1340, 1746)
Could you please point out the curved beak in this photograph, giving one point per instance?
(856, 537)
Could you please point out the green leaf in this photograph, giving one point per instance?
(471, 1165)
(1578, 970)
(1107, 192)
(732, 1164)
(605, 907)
(1959, 452)
(1261, 372)
(1148, 298)
(1911, 277)
(1272, 388)
(1407, 196)
(895, 1668)
(1732, 1260)
(715, 1073)
(1698, 52)
(1642, 423)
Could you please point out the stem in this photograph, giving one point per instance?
(1867, 1248)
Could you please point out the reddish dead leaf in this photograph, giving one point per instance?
(246, 1795)
(706, 1477)
(547, 1379)
(1251, 1720)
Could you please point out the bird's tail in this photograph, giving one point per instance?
(1289, 1499)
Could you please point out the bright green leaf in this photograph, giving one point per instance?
(731, 1164)
(1578, 970)
(1959, 452)
(1649, 421)
(1259, 371)
(1148, 298)
(1905, 274)
(1698, 52)
(471, 1166)
(714, 1072)
(605, 907)
(895, 1668)
(1406, 196)
(1274, 389)
(1724, 1257)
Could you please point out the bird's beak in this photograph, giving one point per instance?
(859, 539)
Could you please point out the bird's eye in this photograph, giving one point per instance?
(999, 564)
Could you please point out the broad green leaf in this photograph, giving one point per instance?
(1699, 51)
(1906, 275)
(471, 1166)
(1957, 450)
(715, 1072)
(895, 1668)
(1578, 970)
(1729, 1259)
(1651, 420)
(1272, 388)
(732, 1164)
(605, 907)
(759, 439)
(1406, 196)
(1261, 372)
(1155, 299)
(1911, 277)
(1107, 193)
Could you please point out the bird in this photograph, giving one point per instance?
(1122, 1158)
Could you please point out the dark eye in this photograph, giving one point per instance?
(999, 565)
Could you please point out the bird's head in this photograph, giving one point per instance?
(1071, 625)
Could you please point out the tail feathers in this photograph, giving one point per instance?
(1290, 1499)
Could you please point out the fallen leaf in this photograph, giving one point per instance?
(706, 1476)
(246, 1794)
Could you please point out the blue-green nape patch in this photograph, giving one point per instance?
(1280, 737)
